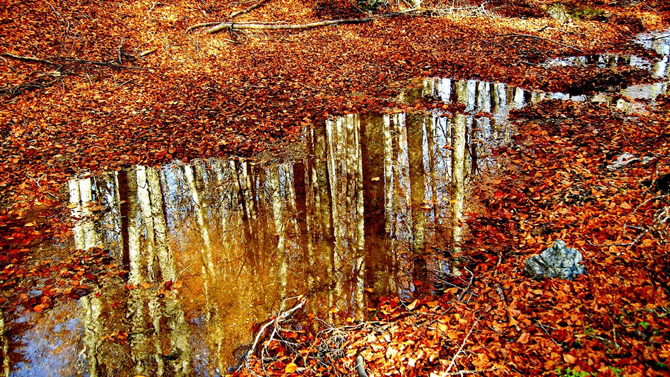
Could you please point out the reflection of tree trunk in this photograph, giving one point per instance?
(318, 212)
(124, 199)
(163, 255)
(6, 366)
(377, 261)
(92, 331)
(246, 200)
(206, 250)
(134, 247)
(147, 256)
(300, 190)
(81, 197)
(458, 178)
(346, 174)
(322, 182)
(393, 189)
(180, 349)
(473, 146)
(483, 99)
(432, 166)
(280, 224)
(414, 123)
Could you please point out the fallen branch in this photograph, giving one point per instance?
(203, 24)
(268, 26)
(237, 13)
(453, 360)
(33, 59)
(280, 317)
(466, 372)
(543, 39)
(472, 278)
(26, 58)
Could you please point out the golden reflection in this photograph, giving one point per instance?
(356, 214)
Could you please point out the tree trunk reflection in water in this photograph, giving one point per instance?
(81, 198)
(346, 175)
(349, 216)
(459, 127)
(6, 366)
(378, 262)
(319, 216)
(415, 132)
(144, 238)
(92, 331)
(206, 251)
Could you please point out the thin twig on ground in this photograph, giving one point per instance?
(247, 10)
(257, 26)
(453, 360)
(543, 39)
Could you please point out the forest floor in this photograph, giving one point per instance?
(88, 87)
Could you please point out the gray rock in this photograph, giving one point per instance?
(558, 261)
(622, 161)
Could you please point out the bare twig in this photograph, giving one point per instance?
(472, 277)
(40, 187)
(659, 197)
(543, 39)
(155, 3)
(26, 58)
(71, 60)
(145, 53)
(203, 24)
(608, 244)
(275, 322)
(257, 26)
(540, 325)
(453, 360)
(243, 11)
(466, 372)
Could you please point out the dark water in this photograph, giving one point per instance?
(349, 218)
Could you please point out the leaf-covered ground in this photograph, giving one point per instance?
(120, 83)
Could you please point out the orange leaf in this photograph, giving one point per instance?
(569, 358)
(523, 339)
